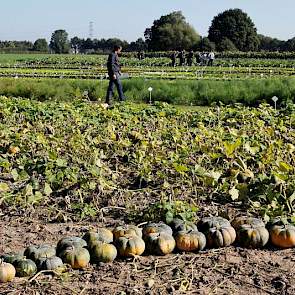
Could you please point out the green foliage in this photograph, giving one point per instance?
(206, 45)
(171, 32)
(59, 42)
(201, 92)
(237, 26)
(226, 45)
(40, 45)
(166, 211)
(76, 155)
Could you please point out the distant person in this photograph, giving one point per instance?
(205, 59)
(182, 58)
(211, 57)
(139, 55)
(198, 58)
(114, 71)
(190, 58)
(173, 57)
(142, 56)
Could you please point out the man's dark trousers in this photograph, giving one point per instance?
(118, 84)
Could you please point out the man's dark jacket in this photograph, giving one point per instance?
(113, 65)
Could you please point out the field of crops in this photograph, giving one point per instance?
(94, 67)
(221, 147)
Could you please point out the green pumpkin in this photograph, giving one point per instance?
(100, 234)
(157, 228)
(220, 236)
(178, 225)
(103, 252)
(209, 222)
(75, 242)
(130, 245)
(37, 252)
(12, 257)
(251, 236)
(25, 267)
(52, 263)
(78, 258)
(159, 243)
(238, 221)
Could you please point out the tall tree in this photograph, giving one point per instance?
(59, 42)
(171, 32)
(40, 45)
(237, 26)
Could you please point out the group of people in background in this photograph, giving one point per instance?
(114, 67)
(190, 58)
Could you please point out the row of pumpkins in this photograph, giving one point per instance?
(103, 245)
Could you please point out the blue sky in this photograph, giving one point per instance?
(127, 19)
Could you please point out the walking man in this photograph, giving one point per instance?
(211, 57)
(114, 71)
(173, 58)
(190, 57)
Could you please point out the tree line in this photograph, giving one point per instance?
(232, 30)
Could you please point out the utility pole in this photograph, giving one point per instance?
(91, 30)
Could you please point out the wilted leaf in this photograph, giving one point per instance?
(47, 189)
(234, 193)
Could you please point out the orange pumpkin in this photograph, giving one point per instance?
(190, 240)
(121, 231)
(283, 236)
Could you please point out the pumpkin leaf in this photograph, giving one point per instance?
(180, 168)
(47, 190)
(4, 187)
(284, 167)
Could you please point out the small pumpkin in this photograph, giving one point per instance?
(190, 240)
(178, 224)
(209, 222)
(25, 267)
(252, 236)
(12, 257)
(51, 263)
(159, 227)
(130, 245)
(103, 252)
(100, 234)
(7, 272)
(78, 258)
(121, 231)
(220, 236)
(37, 252)
(159, 243)
(283, 236)
(238, 221)
(70, 242)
